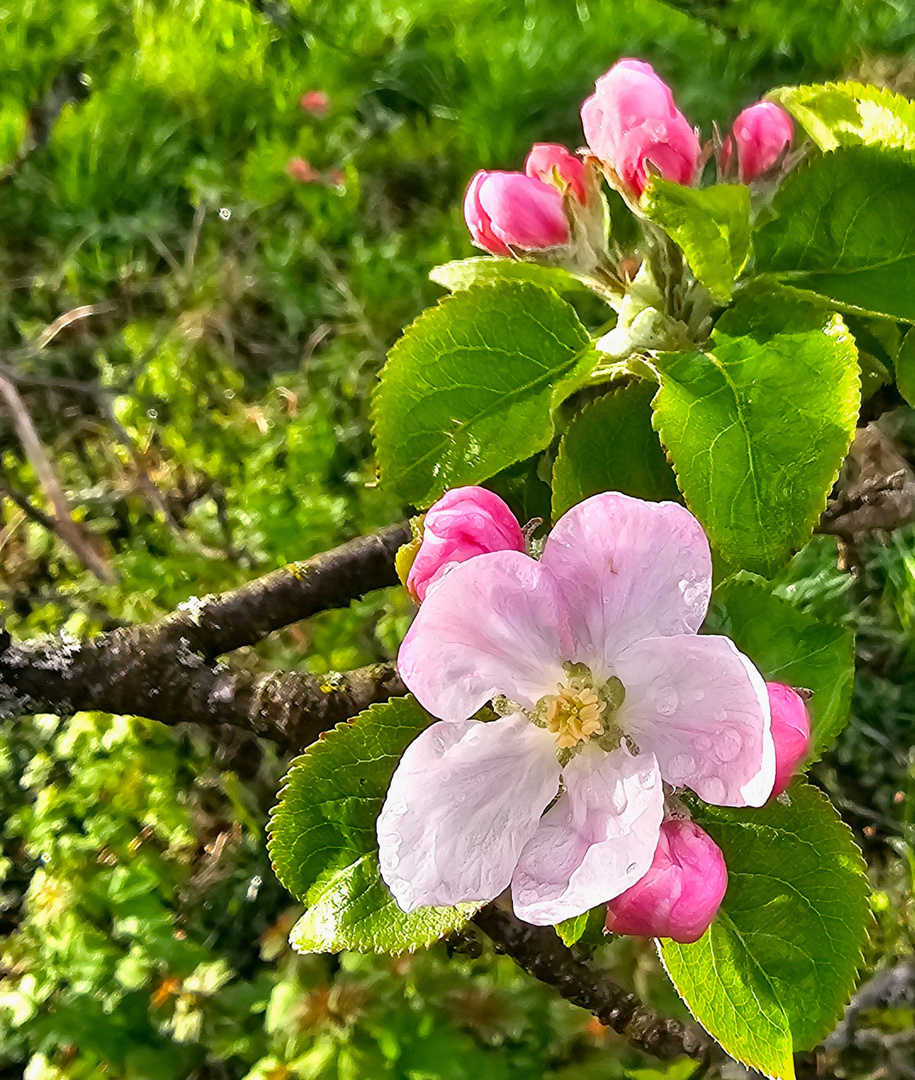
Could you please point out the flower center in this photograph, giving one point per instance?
(574, 715)
(581, 710)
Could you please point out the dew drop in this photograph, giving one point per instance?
(527, 896)
(389, 860)
(714, 789)
(727, 746)
(630, 869)
(703, 743)
(666, 701)
(397, 806)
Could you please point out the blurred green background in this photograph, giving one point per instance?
(208, 419)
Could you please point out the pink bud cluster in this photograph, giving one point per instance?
(634, 129)
(679, 895)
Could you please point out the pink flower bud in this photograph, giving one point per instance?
(301, 171)
(682, 891)
(463, 523)
(632, 124)
(509, 208)
(315, 102)
(763, 132)
(790, 732)
(547, 161)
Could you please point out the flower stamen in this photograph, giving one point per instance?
(574, 715)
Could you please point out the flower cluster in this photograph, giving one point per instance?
(633, 129)
(574, 697)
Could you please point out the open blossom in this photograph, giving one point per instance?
(508, 209)
(632, 123)
(762, 132)
(465, 522)
(550, 161)
(790, 732)
(680, 895)
(604, 691)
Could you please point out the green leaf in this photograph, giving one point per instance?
(711, 225)
(790, 646)
(845, 229)
(850, 114)
(587, 928)
(487, 270)
(772, 974)
(757, 426)
(610, 446)
(322, 838)
(905, 367)
(472, 385)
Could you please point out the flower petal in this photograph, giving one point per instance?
(702, 708)
(497, 624)
(629, 569)
(596, 842)
(464, 800)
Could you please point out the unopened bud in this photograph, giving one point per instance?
(763, 133)
(465, 522)
(680, 894)
(632, 124)
(790, 732)
(553, 164)
(506, 210)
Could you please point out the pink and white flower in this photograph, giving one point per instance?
(605, 692)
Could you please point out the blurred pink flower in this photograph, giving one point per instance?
(315, 102)
(790, 732)
(549, 160)
(301, 171)
(508, 209)
(680, 895)
(631, 121)
(763, 132)
(465, 522)
(592, 659)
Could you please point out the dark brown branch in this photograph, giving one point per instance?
(120, 673)
(541, 954)
(219, 624)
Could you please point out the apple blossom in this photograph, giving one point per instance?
(315, 102)
(604, 692)
(680, 895)
(550, 161)
(506, 210)
(632, 124)
(762, 132)
(463, 523)
(790, 732)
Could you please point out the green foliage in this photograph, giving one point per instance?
(905, 367)
(472, 385)
(845, 230)
(610, 446)
(758, 425)
(711, 225)
(850, 114)
(792, 647)
(323, 844)
(486, 270)
(773, 972)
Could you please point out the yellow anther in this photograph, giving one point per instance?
(574, 715)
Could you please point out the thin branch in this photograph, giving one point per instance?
(540, 953)
(68, 318)
(65, 527)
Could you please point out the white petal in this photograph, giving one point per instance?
(629, 569)
(596, 842)
(496, 624)
(464, 800)
(702, 709)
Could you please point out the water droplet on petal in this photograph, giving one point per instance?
(397, 806)
(527, 896)
(713, 790)
(630, 869)
(681, 767)
(389, 859)
(666, 700)
(728, 745)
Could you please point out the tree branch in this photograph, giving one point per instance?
(540, 953)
